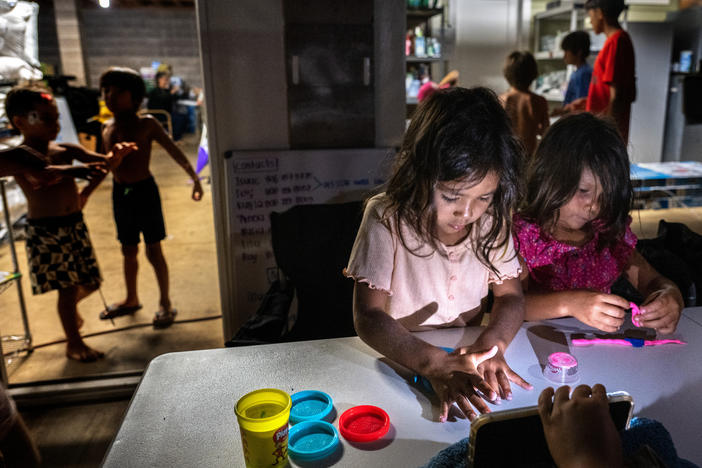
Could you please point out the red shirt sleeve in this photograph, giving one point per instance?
(609, 54)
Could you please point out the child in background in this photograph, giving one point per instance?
(528, 111)
(59, 251)
(162, 97)
(451, 79)
(573, 232)
(431, 246)
(135, 197)
(576, 48)
(613, 83)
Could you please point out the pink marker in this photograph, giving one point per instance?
(635, 342)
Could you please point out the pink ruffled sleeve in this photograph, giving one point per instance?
(373, 252)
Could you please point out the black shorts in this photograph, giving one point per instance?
(137, 209)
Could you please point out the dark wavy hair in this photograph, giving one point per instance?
(571, 145)
(456, 134)
(577, 42)
(23, 99)
(611, 9)
(520, 69)
(125, 79)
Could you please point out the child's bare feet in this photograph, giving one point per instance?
(82, 352)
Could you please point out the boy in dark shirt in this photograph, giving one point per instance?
(576, 49)
(135, 196)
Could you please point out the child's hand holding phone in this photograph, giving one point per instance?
(579, 429)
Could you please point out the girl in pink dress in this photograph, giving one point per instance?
(573, 232)
(431, 245)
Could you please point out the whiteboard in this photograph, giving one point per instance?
(267, 181)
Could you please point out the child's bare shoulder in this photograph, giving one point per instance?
(149, 124)
(63, 152)
(148, 119)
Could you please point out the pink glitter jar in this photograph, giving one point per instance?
(562, 368)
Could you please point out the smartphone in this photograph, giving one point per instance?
(515, 437)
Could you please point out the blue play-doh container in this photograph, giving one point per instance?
(312, 440)
(310, 405)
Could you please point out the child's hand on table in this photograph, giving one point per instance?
(579, 430)
(459, 382)
(661, 310)
(498, 375)
(603, 311)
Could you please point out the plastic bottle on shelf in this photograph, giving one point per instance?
(436, 47)
(430, 46)
(419, 42)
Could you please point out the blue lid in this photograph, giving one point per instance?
(309, 405)
(312, 440)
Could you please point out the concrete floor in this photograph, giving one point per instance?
(191, 255)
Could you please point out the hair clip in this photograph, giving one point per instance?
(47, 96)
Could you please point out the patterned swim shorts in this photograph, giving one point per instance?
(60, 254)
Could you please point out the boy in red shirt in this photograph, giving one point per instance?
(613, 83)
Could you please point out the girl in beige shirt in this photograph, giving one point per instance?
(432, 244)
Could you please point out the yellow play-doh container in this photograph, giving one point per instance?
(263, 421)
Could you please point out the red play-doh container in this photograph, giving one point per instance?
(364, 423)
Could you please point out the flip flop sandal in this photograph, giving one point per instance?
(163, 319)
(118, 311)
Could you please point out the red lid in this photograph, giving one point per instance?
(364, 423)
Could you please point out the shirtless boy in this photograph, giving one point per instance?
(135, 197)
(59, 251)
(527, 110)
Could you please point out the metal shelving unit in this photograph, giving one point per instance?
(438, 64)
(21, 343)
